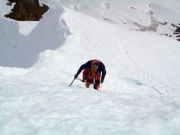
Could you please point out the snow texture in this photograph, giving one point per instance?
(38, 60)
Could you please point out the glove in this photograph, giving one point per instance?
(102, 81)
(75, 76)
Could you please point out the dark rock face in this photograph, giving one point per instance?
(26, 10)
(177, 31)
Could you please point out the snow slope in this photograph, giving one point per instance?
(142, 15)
(140, 95)
(23, 50)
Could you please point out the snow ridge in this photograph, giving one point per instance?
(23, 51)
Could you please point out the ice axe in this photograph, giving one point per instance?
(72, 82)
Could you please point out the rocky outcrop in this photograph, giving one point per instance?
(26, 10)
(176, 33)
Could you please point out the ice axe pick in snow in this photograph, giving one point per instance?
(72, 82)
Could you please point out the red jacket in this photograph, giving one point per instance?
(90, 63)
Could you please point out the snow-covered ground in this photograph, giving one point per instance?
(140, 94)
(142, 15)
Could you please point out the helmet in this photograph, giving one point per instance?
(94, 69)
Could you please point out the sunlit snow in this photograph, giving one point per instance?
(38, 60)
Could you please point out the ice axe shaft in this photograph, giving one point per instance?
(72, 82)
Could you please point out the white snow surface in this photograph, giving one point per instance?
(140, 15)
(23, 49)
(38, 60)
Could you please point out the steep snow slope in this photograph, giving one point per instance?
(139, 96)
(126, 52)
(142, 15)
(18, 50)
